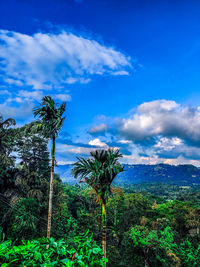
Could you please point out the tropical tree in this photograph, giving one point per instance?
(6, 148)
(99, 172)
(4, 137)
(4, 124)
(50, 122)
(161, 244)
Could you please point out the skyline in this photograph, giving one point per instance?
(129, 74)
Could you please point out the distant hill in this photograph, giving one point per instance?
(140, 173)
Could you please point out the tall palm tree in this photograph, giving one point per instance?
(50, 122)
(99, 172)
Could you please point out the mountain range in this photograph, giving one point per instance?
(140, 173)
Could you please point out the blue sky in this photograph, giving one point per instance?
(129, 71)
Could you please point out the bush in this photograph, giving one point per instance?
(83, 252)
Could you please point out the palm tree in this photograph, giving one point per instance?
(99, 172)
(50, 122)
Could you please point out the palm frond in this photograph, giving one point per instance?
(50, 117)
(99, 171)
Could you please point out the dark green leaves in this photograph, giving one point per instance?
(99, 171)
(50, 117)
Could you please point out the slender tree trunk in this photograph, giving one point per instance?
(146, 253)
(104, 229)
(51, 188)
(115, 214)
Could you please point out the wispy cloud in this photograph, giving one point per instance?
(102, 128)
(5, 92)
(48, 60)
(21, 112)
(62, 97)
(30, 95)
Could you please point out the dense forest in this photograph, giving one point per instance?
(142, 225)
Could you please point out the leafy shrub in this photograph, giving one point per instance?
(83, 252)
(23, 219)
(189, 253)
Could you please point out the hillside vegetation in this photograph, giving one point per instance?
(146, 224)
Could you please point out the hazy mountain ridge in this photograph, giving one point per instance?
(140, 173)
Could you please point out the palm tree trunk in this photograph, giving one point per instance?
(51, 187)
(104, 229)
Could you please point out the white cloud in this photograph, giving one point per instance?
(168, 143)
(24, 95)
(181, 160)
(155, 132)
(64, 162)
(13, 82)
(120, 72)
(64, 149)
(161, 118)
(97, 142)
(125, 141)
(46, 60)
(35, 95)
(71, 80)
(62, 97)
(80, 150)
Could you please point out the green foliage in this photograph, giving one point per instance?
(6, 148)
(32, 152)
(159, 243)
(99, 171)
(189, 253)
(155, 224)
(64, 225)
(50, 117)
(83, 252)
(23, 219)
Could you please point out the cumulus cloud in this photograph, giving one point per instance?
(67, 148)
(157, 131)
(162, 118)
(97, 142)
(168, 144)
(171, 150)
(46, 60)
